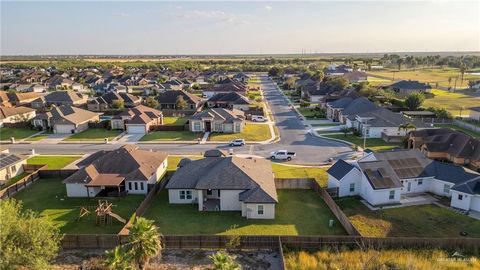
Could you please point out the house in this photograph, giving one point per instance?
(356, 76)
(107, 101)
(475, 113)
(137, 120)
(60, 98)
(382, 178)
(241, 77)
(226, 184)
(218, 120)
(59, 82)
(11, 165)
(231, 100)
(234, 86)
(316, 92)
(65, 119)
(407, 87)
(168, 100)
(340, 70)
(341, 109)
(447, 145)
(21, 99)
(174, 85)
(126, 170)
(79, 87)
(16, 114)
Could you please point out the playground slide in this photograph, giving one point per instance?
(117, 217)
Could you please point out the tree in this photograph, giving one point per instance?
(399, 63)
(118, 259)
(318, 76)
(26, 240)
(144, 242)
(463, 69)
(118, 104)
(223, 261)
(151, 102)
(414, 101)
(180, 103)
(345, 131)
(275, 72)
(406, 127)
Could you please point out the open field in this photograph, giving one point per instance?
(251, 132)
(17, 133)
(48, 197)
(376, 144)
(94, 134)
(357, 259)
(413, 221)
(454, 102)
(174, 121)
(432, 76)
(53, 162)
(299, 212)
(171, 136)
(319, 174)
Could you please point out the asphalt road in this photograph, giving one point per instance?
(294, 136)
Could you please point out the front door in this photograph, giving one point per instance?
(208, 126)
(409, 186)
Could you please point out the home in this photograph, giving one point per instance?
(169, 99)
(475, 113)
(235, 86)
(447, 145)
(79, 87)
(11, 165)
(15, 114)
(226, 184)
(334, 70)
(126, 170)
(231, 100)
(316, 92)
(59, 82)
(345, 109)
(356, 76)
(20, 99)
(381, 178)
(218, 120)
(137, 120)
(65, 119)
(241, 77)
(404, 88)
(174, 85)
(60, 98)
(111, 99)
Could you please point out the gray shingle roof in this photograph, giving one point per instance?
(340, 169)
(220, 114)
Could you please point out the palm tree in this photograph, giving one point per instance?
(399, 63)
(118, 259)
(463, 68)
(144, 242)
(223, 261)
(406, 127)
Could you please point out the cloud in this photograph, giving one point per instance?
(212, 15)
(267, 7)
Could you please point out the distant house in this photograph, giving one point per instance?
(383, 178)
(475, 113)
(226, 184)
(218, 120)
(113, 173)
(356, 76)
(59, 82)
(137, 120)
(231, 100)
(65, 119)
(339, 110)
(15, 114)
(235, 86)
(316, 92)
(168, 100)
(20, 99)
(174, 85)
(79, 87)
(11, 165)
(241, 77)
(340, 70)
(60, 98)
(106, 101)
(405, 88)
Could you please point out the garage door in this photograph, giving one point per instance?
(135, 129)
(475, 203)
(64, 129)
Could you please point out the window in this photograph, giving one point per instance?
(260, 209)
(209, 192)
(391, 196)
(130, 185)
(237, 127)
(189, 194)
(352, 187)
(182, 194)
(218, 126)
(141, 185)
(420, 182)
(460, 197)
(446, 188)
(196, 126)
(136, 186)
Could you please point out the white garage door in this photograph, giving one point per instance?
(135, 129)
(64, 129)
(475, 203)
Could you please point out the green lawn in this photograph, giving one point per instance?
(53, 162)
(171, 136)
(174, 160)
(17, 133)
(375, 144)
(13, 180)
(251, 132)
(319, 174)
(48, 197)
(174, 121)
(460, 100)
(413, 221)
(94, 134)
(464, 130)
(312, 113)
(39, 137)
(299, 212)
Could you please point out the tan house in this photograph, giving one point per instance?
(218, 120)
(137, 120)
(11, 165)
(15, 114)
(60, 98)
(66, 119)
(107, 101)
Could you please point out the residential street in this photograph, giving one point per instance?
(294, 137)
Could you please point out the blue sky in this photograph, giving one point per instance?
(237, 27)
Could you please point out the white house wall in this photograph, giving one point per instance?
(159, 173)
(354, 176)
(229, 200)
(251, 210)
(80, 190)
(464, 203)
(174, 196)
(130, 187)
(475, 203)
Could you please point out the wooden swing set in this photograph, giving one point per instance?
(103, 213)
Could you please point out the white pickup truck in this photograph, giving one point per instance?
(282, 155)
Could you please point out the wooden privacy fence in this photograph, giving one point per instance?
(33, 176)
(294, 183)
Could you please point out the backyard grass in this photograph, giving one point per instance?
(319, 174)
(454, 102)
(174, 160)
(94, 134)
(312, 113)
(299, 212)
(375, 144)
(464, 130)
(17, 133)
(251, 132)
(53, 162)
(171, 136)
(413, 221)
(13, 180)
(48, 197)
(174, 121)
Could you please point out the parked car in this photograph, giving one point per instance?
(237, 142)
(282, 155)
(259, 118)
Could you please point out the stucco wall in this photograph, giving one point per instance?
(229, 200)
(251, 210)
(174, 196)
(130, 187)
